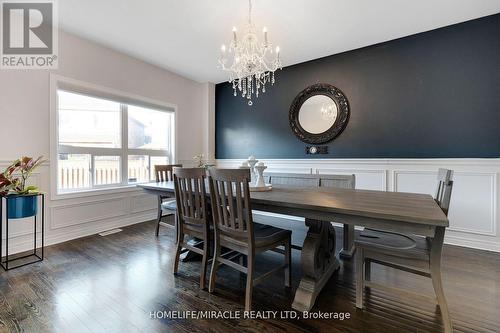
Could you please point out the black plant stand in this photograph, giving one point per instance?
(4, 262)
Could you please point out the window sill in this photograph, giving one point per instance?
(96, 192)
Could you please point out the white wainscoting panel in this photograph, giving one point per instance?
(414, 181)
(142, 203)
(474, 208)
(473, 211)
(66, 215)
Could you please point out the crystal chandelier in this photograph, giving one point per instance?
(253, 64)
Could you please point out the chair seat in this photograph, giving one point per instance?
(394, 244)
(169, 206)
(267, 235)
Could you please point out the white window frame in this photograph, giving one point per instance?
(57, 83)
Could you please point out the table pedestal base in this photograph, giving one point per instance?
(318, 263)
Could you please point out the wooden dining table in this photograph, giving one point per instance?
(409, 213)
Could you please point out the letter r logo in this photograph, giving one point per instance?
(27, 28)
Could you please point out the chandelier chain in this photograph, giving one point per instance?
(249, 11)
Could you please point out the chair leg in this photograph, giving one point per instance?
(177, 255)
(204, 262)
(215, 265)
(359, 277)
(443, 305)
(241, 262)
(158, 219)
(368, 270)
(288, 262)
(249, 287)
(180, 238)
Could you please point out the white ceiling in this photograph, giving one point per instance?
(184, 36)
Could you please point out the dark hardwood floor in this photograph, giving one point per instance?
(113, 283)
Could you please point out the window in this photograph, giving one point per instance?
(104, 143)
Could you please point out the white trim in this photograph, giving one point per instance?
(472, 243)
(65, 83)
(98, 191)
(375, 161)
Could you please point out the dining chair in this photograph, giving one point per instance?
(347, 182)
(192, 218)
(410, 253)
(166, 205)
(235, 230)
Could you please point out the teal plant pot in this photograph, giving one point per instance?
(21, 206)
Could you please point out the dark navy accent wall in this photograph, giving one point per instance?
(434, 94)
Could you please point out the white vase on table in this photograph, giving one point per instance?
(251, 162)
(260, 167)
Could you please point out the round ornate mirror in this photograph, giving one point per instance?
(319, 114)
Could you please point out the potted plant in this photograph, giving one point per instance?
(200, 162)
(21, 198)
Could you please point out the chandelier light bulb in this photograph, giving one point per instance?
(235, 39)
(223, 48)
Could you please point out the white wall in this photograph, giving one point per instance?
(209, 121)
(474, 221)
(24, 112)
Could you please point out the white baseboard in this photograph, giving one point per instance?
(493, 246)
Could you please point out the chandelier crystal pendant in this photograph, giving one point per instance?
(251, 65)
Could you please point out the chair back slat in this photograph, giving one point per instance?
(230, 195)
(230, 203)
(239, 200)
(190, 194)
(444, 188)
(223, 205)
(443, 198)
(164, 173)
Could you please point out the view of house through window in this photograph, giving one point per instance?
(105, 143)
